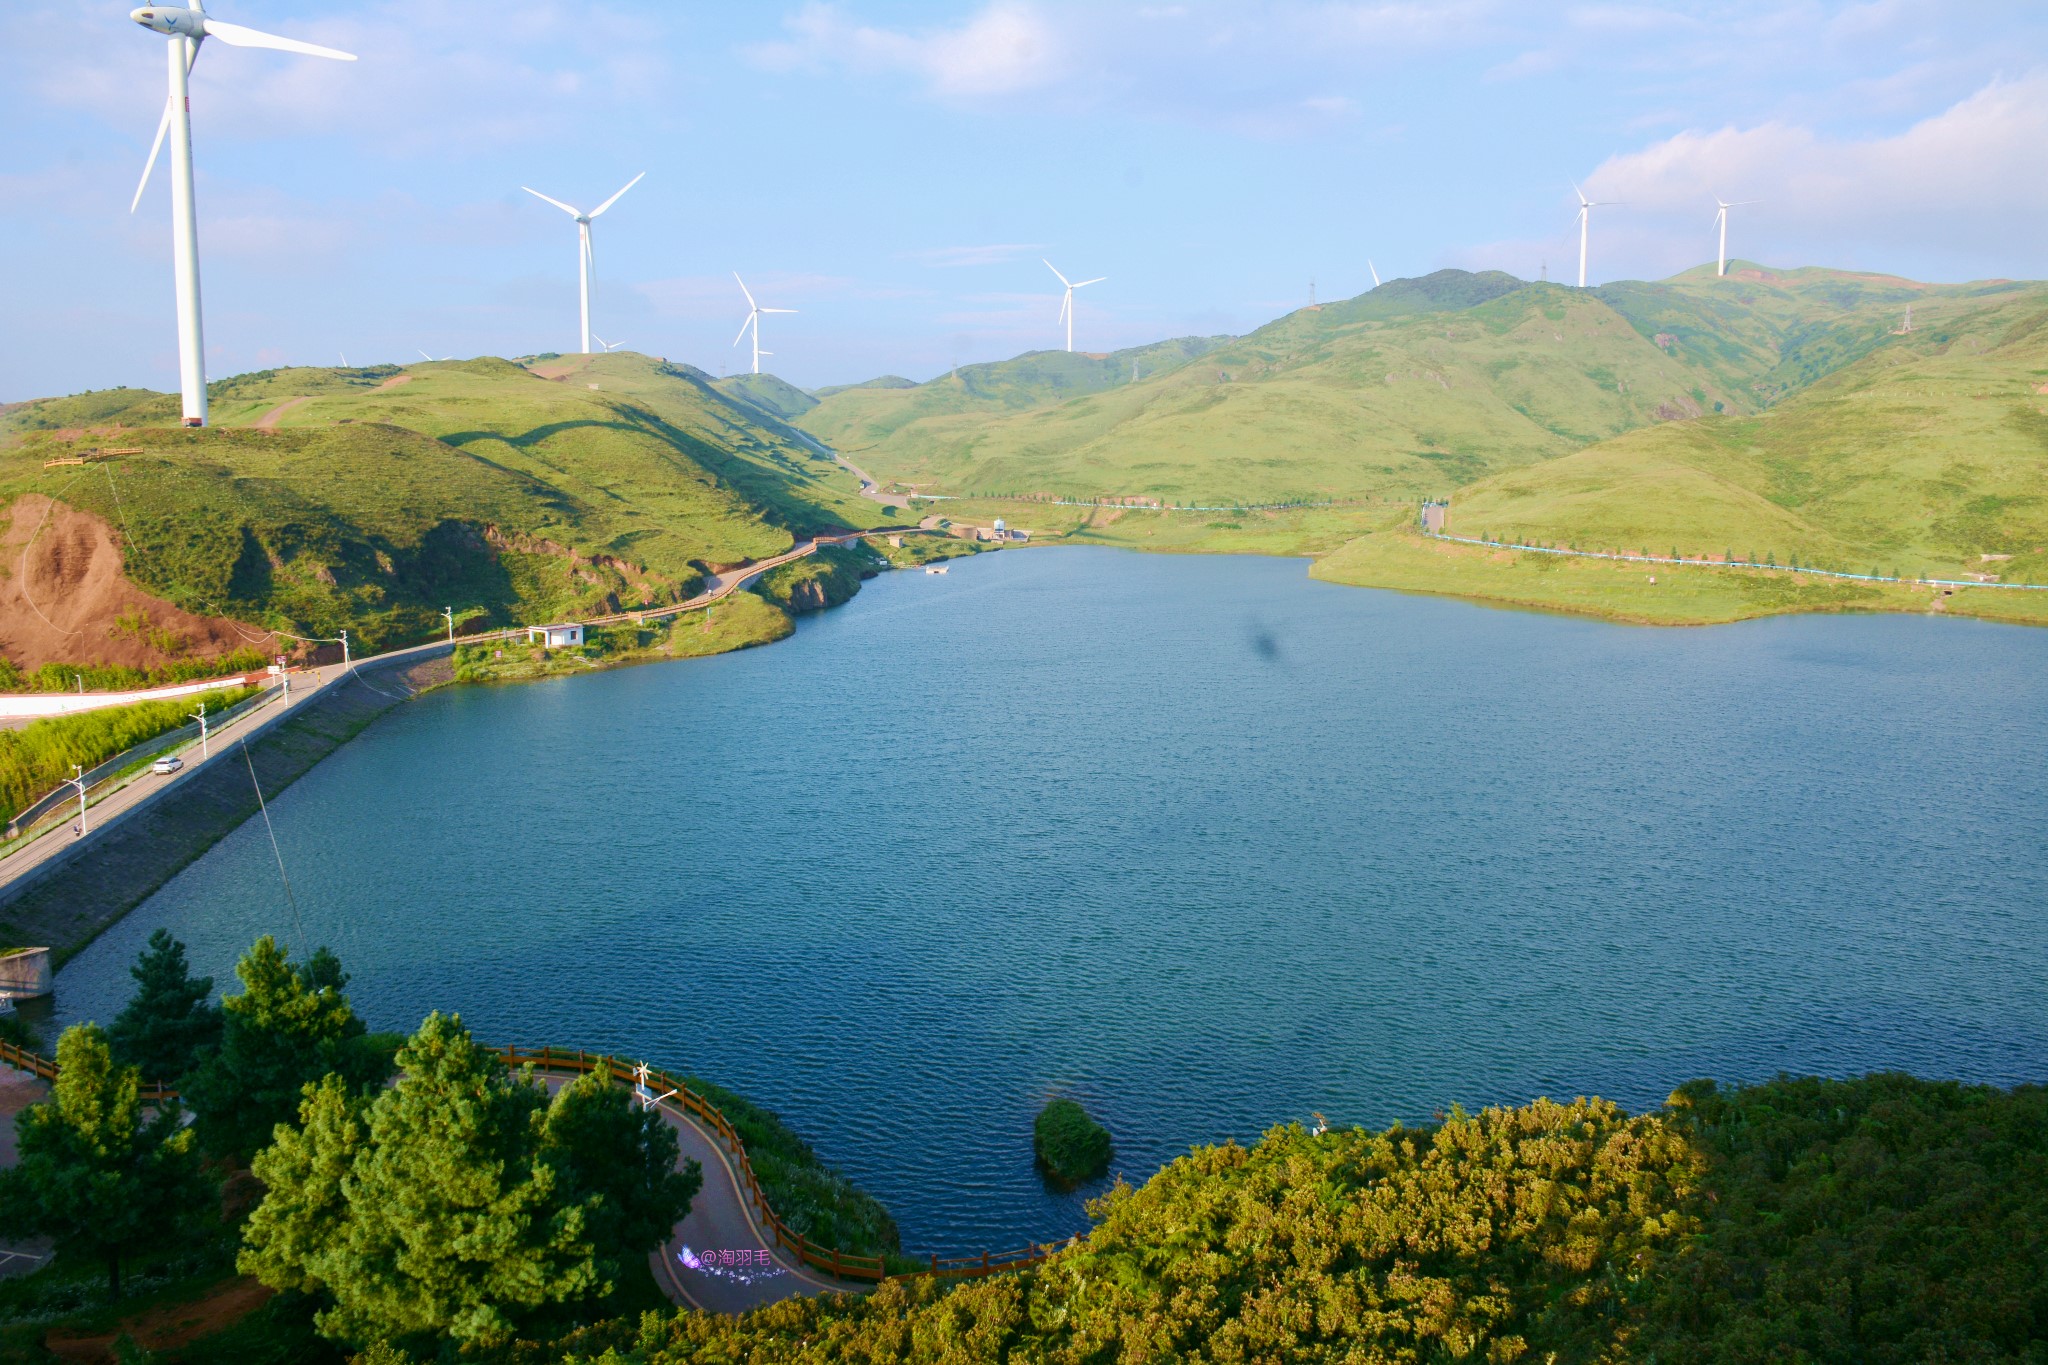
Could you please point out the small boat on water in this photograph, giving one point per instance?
(935, 568)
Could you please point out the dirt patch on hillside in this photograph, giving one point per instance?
(277, 414)
(395, 380)
(168, 1327)
(65, 597)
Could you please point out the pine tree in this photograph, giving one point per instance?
(290, 1026)
(168, 1025)
(456, 1227)
(94, 1174)
(618, 1161)
(304, 1211)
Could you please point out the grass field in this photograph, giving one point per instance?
(1416, 388)
(369, 499)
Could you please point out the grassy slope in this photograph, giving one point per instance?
(1926, 454)
(888, 415)
(1416, 387)
(774, 396)
(370, 504)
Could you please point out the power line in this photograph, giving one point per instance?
(297, 921)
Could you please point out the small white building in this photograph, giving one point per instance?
(555, 637)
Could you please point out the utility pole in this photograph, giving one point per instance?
(345, 665)
(449, 612)
(78, 779)
(201, 717)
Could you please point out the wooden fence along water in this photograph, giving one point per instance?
(844, 1265)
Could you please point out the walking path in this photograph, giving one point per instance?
(719, 1258)
(1621, 557)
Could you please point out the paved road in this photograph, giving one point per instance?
(737, 1265)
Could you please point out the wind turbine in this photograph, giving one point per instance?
(187, 29)
(1067, 304)
(1375, 272)
(1721, 221)
(433, 360)
(754, 312)
(609, 346)
(586, 264)
(1586, 207)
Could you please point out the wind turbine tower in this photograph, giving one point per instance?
(586, 263)
(187, 28)
(1721, 222)
(1586, 207)
(754, 312)
(1067, 304)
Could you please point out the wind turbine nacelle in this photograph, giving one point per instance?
(174, 21)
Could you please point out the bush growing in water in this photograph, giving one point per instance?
(1073, 1146)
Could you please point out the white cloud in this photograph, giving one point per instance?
(1006, 48)
(1964, 177)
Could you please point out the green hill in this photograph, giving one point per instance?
(887, 381)
(370, 498)
(902, 417)
(777, 397)
(1928, 456)
(1417, 387)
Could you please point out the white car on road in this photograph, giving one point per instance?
(164, 767)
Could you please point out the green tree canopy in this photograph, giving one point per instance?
(168, 1026)
(436, 1214)
(95, 1174)
(290, 1026)
(618, 1162)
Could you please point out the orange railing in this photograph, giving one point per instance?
(845, 1265)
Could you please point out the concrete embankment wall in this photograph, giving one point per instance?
(70, 902)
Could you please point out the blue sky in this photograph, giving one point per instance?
(895, 170)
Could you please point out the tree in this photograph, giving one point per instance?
(94, 1174)
(436, 1215)
(617, 1161)
(290, 1026)
(168, 1025)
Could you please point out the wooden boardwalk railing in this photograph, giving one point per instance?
(845, 1265)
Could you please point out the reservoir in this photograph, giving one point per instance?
(1201, 842)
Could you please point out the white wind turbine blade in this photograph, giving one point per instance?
(424, 356)
(615, 198)
(751, 305)
(234, 35)
(1375, 272)
(573, 213)
(1066, 302)
(1056, 271)
(743, 330)
(163, 128)
(778, 310)
(1097, 280)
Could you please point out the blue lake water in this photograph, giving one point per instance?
(1199, 841)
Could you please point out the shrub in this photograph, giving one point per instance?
(1071, 1145)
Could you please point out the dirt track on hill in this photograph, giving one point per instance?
(65, 587)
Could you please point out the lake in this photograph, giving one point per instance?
(1201, 842)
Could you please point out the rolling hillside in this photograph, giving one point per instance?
(369, 499)
(1928, 456)
(1418, 387)
(889, 414)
